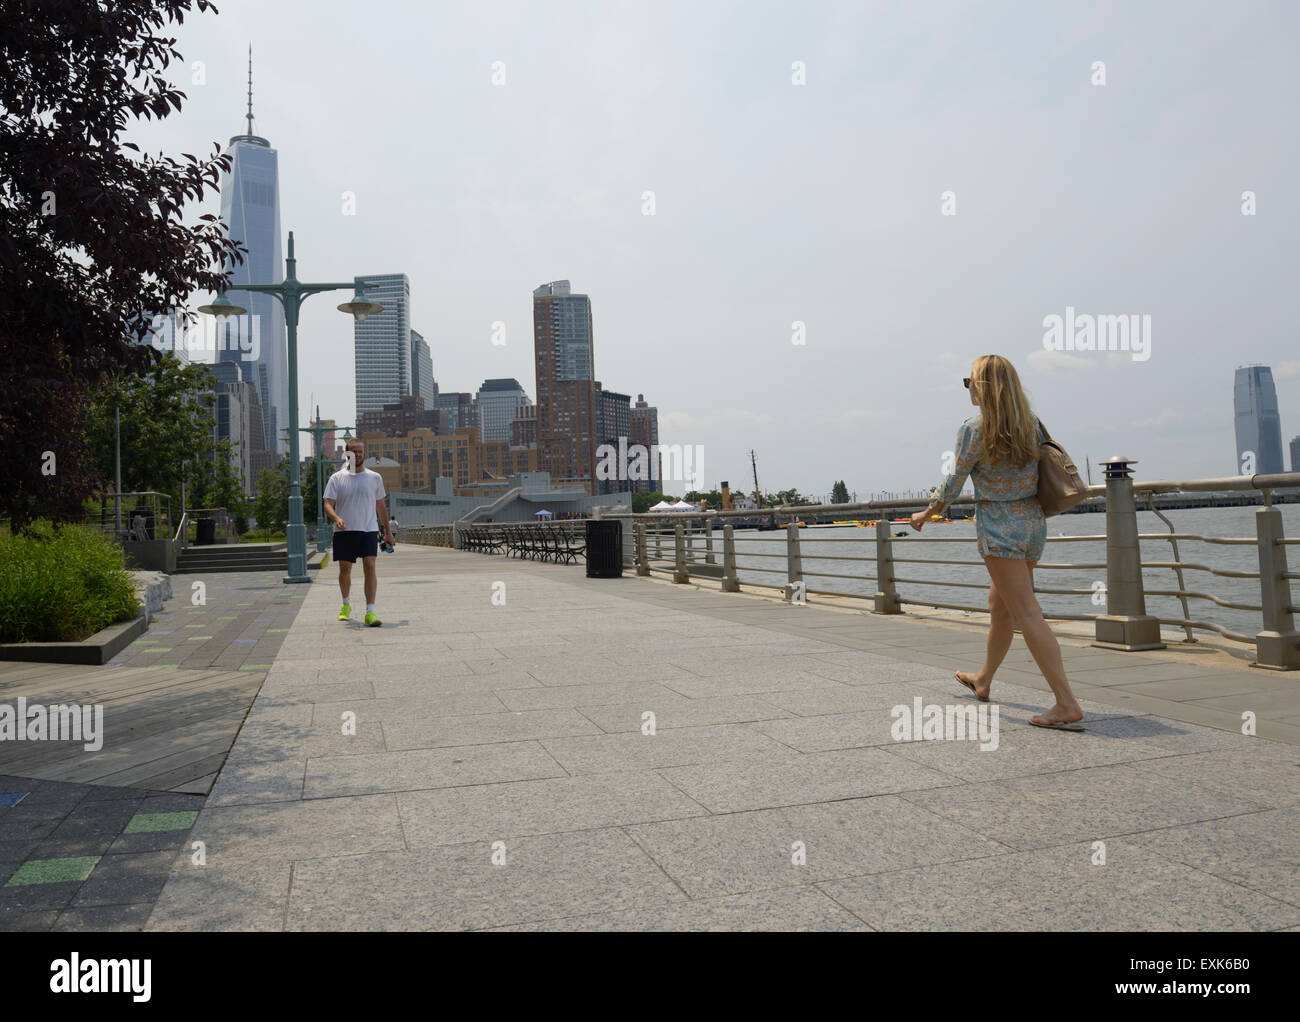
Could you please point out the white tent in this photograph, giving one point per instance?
(681, 505)
(664, 505)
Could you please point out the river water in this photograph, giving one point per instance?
(1237, 522)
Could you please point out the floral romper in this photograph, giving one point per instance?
(1008, 518)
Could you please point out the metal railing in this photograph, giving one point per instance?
(1124, 624)
(145, 515)
(188, 528)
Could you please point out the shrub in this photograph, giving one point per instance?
(62, 584)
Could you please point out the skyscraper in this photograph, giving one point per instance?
(250, 209)
(383, 343)
(567, 398)
(498, 403)
(1258, 426)
(422, 382)
(1295, 454)
(644, 420)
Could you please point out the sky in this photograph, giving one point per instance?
(900, 187)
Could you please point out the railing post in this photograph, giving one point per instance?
(638, 538)
(1276, 646)
(793, 565)
(659, 548)
(680, 574)
(730, 581)
(1126, 625)
(708, 541)
(886, 599)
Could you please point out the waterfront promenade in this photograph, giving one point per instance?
(771, 795)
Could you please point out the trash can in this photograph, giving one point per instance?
(207, 532)
(604, 548)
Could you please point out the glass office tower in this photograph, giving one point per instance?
(250, 209)
(383, 343)
(1259, 428)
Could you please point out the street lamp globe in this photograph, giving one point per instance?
(360, 307)
(222, 308)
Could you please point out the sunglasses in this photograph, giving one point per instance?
(966, 382)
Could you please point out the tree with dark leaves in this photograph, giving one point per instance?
(92, 241)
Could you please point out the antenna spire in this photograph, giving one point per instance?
(250, 89)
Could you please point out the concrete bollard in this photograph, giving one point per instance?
(680, 574)
(730, 581)
(1126, 625)
(886, 598)
(794, 584)
(1276, 646)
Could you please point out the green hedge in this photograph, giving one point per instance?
(62, 584)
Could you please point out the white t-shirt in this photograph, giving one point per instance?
(354, 495)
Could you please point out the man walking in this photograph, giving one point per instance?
(354, 502)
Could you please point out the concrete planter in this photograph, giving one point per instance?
(100, 648)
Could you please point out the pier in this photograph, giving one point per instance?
(771, 794)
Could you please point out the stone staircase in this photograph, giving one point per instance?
(195, 560)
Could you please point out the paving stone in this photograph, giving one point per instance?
(133, 864)
(542, 878)
(414, 769)
(548, 697)
(548, 806)
(802, 909)
(1135, 890)
(1077, 805)
(52, 871)
(485, 729)
(680, 711)
(666, 747)
(104, 918)
(125, 890)
(1262, 772)
(772, 780)
(719, 855)
(1256, 850)
(298, 830)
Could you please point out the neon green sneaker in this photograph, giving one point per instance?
(372, 619)
(345, 612)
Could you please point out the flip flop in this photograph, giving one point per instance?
(1076, 725)
(971, 686)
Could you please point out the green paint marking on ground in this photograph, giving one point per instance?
(145, 823)
(53, 871)
(226, 617)
(193, 626)
(255, 667)
(199, 638)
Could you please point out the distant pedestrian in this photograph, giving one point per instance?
(998, 450)
(354, 502)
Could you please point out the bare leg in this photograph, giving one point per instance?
(345, 578)
(372, 579)
(1015, 587)
(1000, 634)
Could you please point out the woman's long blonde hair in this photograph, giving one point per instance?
(1008, 428)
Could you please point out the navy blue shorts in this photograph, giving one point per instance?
(348, 546)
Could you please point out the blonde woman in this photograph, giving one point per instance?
(998, 449)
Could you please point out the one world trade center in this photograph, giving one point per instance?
(250, 209)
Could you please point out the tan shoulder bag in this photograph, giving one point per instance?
(1059, 485)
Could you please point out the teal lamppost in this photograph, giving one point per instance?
(324, 529)
(291, 294)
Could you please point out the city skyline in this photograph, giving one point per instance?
(819, 204)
